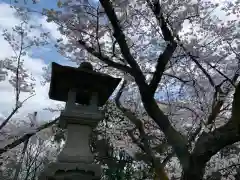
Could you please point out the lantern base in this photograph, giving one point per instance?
(71, 171)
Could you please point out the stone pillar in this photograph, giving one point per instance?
(77, 148)
(75, 161)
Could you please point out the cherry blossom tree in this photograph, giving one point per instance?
(39, 152)
(180, 63)
(24, 1)
(21, 38)
(183, 55)
(21, 41)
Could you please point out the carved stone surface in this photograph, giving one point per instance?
(71, 171)
(75, 161)
(77, 147)
(79, 121)
(81, 115)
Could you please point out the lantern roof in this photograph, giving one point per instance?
(84, 80)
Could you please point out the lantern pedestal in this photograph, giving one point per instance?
(75, 161)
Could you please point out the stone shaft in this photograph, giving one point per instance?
(77, 148)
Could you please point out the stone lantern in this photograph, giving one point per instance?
(84, 91)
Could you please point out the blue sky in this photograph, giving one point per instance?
(37, 58)
(34, 62)
(36, 53)
(52, 54)
(39, 6)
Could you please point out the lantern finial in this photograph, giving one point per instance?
(86, 66)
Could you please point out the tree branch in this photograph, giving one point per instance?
(209, 144)
(156, 8)
(13, 112)
(229, 80)
(193, 58)
(18, 66)
(210, 79)
(137, 122)
(175, 139)
(171, 76)
(104, 58)
(144, 146)
(167, 158)
(17, 88)
(26, 136)
(163, 58)
(168, 36)
(97, 32)
(217, 101)
(120, 38)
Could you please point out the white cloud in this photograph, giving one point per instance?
(6, 11)
(37, 102)
(6, 50)
(34, 67)
(52, 28)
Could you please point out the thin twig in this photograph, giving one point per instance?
(14, 111)
(26, 136)
(18, 66)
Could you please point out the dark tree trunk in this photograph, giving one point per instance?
(195, 170)
(192, 174)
